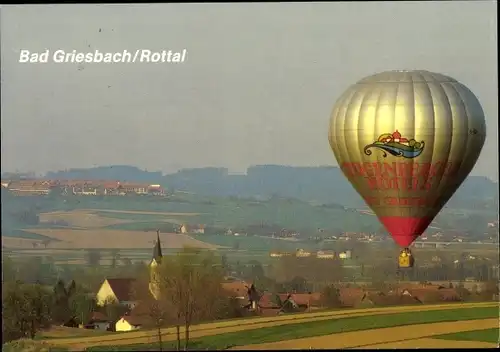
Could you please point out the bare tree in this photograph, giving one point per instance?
(191, 283)
(330, 297)
(156, 308)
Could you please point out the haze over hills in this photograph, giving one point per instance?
(322, 184)
(304, 198)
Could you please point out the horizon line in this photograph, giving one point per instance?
(34, 175)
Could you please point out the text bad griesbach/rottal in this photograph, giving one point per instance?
(96, 56)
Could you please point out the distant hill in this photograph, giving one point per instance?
(113, 172)
(321, 184)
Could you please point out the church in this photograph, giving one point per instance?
(120, 289)
(155, 261)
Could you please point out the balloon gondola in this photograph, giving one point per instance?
(406, 140)
(406, 259)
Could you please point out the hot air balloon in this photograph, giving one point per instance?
(406, 140)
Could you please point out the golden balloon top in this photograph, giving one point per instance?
(407, 76)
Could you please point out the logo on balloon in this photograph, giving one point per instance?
(397, 146)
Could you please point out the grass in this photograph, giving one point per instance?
(133, 216)
(254, 243)
(28, 345)
(320, 328)
(163, 226)
(486, 335)
(64, 332)
(23, 234)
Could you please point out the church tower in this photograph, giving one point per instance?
(153, 267)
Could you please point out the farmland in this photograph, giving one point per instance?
(311, 329)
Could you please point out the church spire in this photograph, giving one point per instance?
(157, 255)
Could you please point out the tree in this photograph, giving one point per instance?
(93, 257)
(330, 297)
(256, 270)
(191, 282)
(225, 264)
(114, 310)
(38, 307)
(277, 300)
(156, 308)
(126, 262)
(62, 312)
(26, 310)
(82, 306)
(236, 245)
(9, 270)
(489, 290)
(462, 292)
(71, 303)
(298, 285)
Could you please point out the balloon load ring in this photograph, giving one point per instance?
(379, 129)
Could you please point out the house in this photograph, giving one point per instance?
(381, 299)
(351, 296)
(267, 306)
(156, 190)
(275, 254)
(85, 189)
(304, 301)
(116, 290)
(345, 255)
(431, 293)
(325, 255)
(131, 322)
(98, 321)
(301, 253)
(185, 229)
(132, 188)
(110, 188)
(29, 187)
(236, 289)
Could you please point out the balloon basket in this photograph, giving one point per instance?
(406, 259)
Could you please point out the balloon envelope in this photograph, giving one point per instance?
(406, 140)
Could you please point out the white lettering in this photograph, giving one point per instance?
(155, 57)
(169, 56)
(89, 57)
(25, 56)
(145, 54)
(58, 56)
(98, 57)
(126, 57)
(79, 57)
(44, 57)
(176, 57)
(73, 56)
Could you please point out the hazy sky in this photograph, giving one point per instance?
(257, 88)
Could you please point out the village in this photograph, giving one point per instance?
(251, 300)
(81, 187)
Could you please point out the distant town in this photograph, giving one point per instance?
(81, 187)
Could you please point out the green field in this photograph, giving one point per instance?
(254, 243)
(487, 335)
(133, 216)
(163, 226)
(320, 328)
